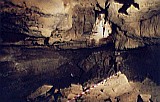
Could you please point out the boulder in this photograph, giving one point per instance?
(145, 97)
(40, 92)
(114, 86)
(76, 89)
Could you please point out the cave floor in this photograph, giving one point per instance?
(113, 89)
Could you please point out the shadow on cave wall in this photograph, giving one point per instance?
(142, 62)
(15, 22)
(10, 29)
(126, 5)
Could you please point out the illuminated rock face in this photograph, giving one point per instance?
(134, 26)
(101, 28)
(98, 30)
(40, 17)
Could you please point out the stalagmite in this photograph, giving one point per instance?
(101, 28)
(108, 29)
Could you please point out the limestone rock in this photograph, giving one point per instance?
(71, 96)
(34, 18)
(40, 91)
(76, 89)
(72, 91)
(138, 24)
(145, 97)
(115, 86)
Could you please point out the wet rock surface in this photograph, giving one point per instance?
(24, 69)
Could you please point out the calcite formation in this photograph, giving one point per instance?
(138, 24)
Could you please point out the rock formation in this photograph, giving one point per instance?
(138, 24)
(135, 23)
(140, 27)
(40, 19)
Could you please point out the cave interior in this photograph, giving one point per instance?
(80, 51)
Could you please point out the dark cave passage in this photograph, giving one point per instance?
(33, 73)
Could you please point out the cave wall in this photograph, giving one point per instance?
(23, 18)
(72, 18)
(139, 27)
(20, 19)
(35, 18)
(142, 63)
(40, 19)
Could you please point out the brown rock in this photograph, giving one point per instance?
(40, 91)
(76, 89)
(145, 97)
